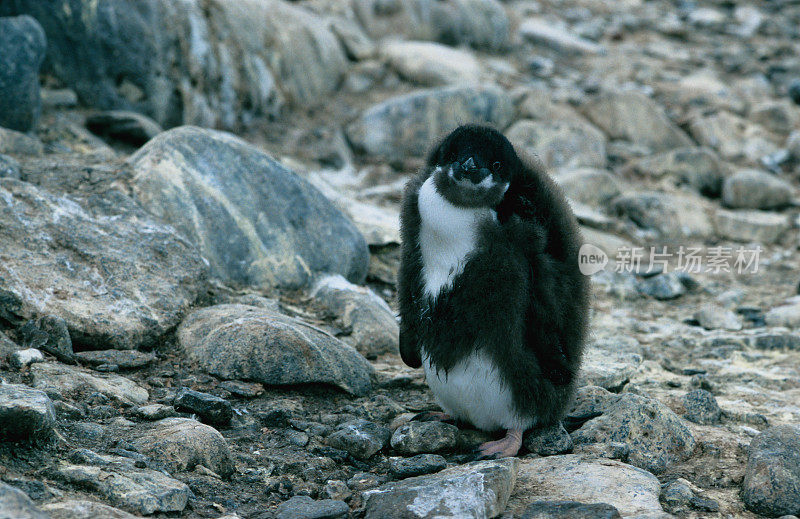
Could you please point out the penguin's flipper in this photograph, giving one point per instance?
(409, 351)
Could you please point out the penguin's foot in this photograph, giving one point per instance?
(433, 416)
(503, 448)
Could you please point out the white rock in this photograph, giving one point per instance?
(23, 358)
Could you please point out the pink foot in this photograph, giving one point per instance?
(503, 448)
(432, 416)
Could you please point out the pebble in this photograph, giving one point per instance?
(548, 442)
(569, 510)
(210, 408)
(416, 465)
(361, 438)
(424, 437)
(24, 358)
(663, 286)
(124, 359)
(154, 412)
(701, 407)
(713, 317)
(303, 507)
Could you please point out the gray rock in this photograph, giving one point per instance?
(548, 442)
(772, 478)
(671, 215)
(22, 48)
(633, 491)
(755, 189)
(698, 168)
(714, 317)
(59, 98)
(663, 286)
(593, 187)
(478, 489)
(679, 496)
(337, 490)
(431, 64)
(78, 509)
(270, 348)
(549, 34)
(48, 333)
(751, 226)
(125, 359)
(655, 435)
(569, 510)
(776, 341)
(255, 221)
(155, 412)
(588, 402)
(777, 116)
(607, 367)
(25, 414)
(785, 315)
(24, 358)
(16, 143)
(210, 408)
(9, 167)
(424, 437)
(567, 143)
(130, 127)
(303, 507)
(181, 444)
(361, 438)
(211, 65)
(637, 118)
(733, 137)
(120, 483)
(122, 291)
(15, 504)
(402, 126)
(418, 465)
(701, 407)
(372, 324)
(70, 382)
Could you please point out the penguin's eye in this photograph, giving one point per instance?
(496, 167)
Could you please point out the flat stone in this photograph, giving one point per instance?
(25, 414)
(15, 504)
(777, 341)
(182, 443)
(755, 189)
(424, 437)
(608, 369)
(125, 359)
(733, 137)
(590, 186)
(361, 438)
(671, 215)
(17, 143)
(155, 412)
(772, 478)
(79, 509)
(569, 510)
(402, 126)
(303, 507)
(418, 465)
(478, 489)
(663, 286)
(632, 491)
(750, 226)
(210, 408)
(71, 382)
(567, 143)
(22, 50)
(656, 436)
(257, 222)
(549, 34)
(270, 348)
(713, 317)
(784, 315)
(242, 389)
(696, 167)
(431, 64)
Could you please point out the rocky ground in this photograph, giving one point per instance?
(200, 324)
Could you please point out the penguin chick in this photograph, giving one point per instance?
(492, 303)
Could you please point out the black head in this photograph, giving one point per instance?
(473, 166)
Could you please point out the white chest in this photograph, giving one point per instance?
(448, 235)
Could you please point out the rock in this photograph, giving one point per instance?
(772, 478)
(155, 412)
(16, 143)
(588, 402)
(679, 496)
(633, 491)
(120, 483)
(424, 437)
(361, 438)
(656, 436)
(733, 137)
(785, 315)
(776, 341)
(24, 358)
(548, 442)
(663, 286)
(678, 215)
(129, 127)
(270, 348)
(264, 226)
(210, 408)
(478, 489)
(713, 317)
(125, 359)
(76, 509)
(59, 98)
(567, 143)
(213, 65)
(337, 490)
(776, 116)
(9, 167)
(431, 64)
(374, 329)
(637, 118)
(418, 465)
(569, 510)
(25, 415)
(701, 407)
(123, 291)
(755, 189)
(750, 226)
(242, 389)
(181, 444)
(546, 33)
(48, 333)
(22, 48)
(698, 168)
(15, 504)
(402, 126)
(303, 507)
(69, 382)
(605, 366)
(593, 187)
(794, 91)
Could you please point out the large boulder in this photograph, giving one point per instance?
(251, 343)
(193, 62)
(22, 48)
(118, 279)
(772, 478)
(256, 222)
(405, 126)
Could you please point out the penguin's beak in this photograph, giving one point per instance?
(468, 170)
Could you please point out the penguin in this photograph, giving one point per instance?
(492, 303)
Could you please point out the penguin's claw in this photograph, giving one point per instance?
(506, 447)
(433, 416)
